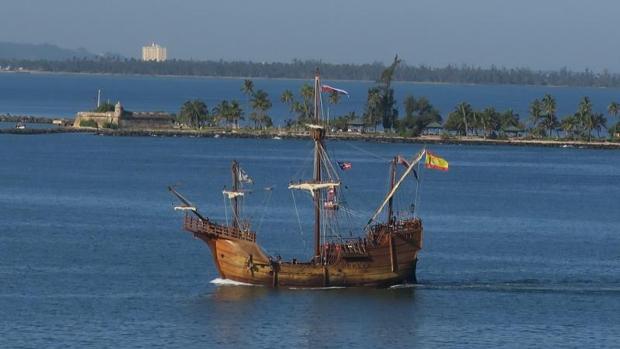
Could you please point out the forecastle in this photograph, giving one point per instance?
(120, 118)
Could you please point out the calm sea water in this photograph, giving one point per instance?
(62, 95)
(522, 248)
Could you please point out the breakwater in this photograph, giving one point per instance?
(298, 134)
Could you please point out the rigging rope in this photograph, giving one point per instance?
(301, 231)
(266, 203)
(417, 192)
(225, 209)
(366, 151)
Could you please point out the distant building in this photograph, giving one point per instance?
(434, 128)
(121, 118)
(355, 126)
(154, 52)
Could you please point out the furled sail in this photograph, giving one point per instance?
(313, 186)
(315, 126)
(232, 194)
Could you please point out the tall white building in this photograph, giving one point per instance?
(154, 52)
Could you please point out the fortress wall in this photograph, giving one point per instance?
(146, 123)
(99, 118)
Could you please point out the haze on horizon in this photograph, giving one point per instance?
(540, 34)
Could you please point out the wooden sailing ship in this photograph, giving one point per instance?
(385, 253)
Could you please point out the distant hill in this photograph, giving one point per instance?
(10, 50)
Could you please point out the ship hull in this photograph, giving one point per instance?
(388, 261)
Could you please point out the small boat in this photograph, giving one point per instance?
(277, 137)
(217, 135)
(20, 126)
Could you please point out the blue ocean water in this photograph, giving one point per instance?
(521, 247)
(62, 95)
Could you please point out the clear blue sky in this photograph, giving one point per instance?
(541, 34)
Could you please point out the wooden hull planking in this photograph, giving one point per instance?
(387, 261)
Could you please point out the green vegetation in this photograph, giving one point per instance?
(109, 125)
(304, 107)
(389, 113)
(341, 123)
(230, 113)
(88, 123)
(419, 115)
(260, 105)
(194, 113)
(613, 110)
(26, 119)
(104, 108)
(299, 70)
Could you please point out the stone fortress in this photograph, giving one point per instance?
(126, 119)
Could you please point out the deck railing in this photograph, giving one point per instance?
(199, 226)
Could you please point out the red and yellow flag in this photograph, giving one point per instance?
(435, 162)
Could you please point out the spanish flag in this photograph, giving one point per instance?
(435, 162)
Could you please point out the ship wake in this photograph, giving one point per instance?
(228, 282)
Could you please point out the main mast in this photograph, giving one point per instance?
(318, 134)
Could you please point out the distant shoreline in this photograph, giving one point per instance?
(303, 70)
(177, 76)
(291, 134)
(213, 77)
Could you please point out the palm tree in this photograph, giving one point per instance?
(221, 112)
(193, 113)
(570, 125)
(599, 123)
(260, 104)
(536, 109)
(464, 110)
(307, 95)
(287, 97)
(235, 113)
(490, 121)
(550, 121)
(248, 90)
(509, 119)
(248, 87)
(334, 98)
(614, 109)
(457, 120)
(372, 114)
(585, 116)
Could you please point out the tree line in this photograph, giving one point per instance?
(542, 120)
(196, 114)
(299, 69)
(382, 109)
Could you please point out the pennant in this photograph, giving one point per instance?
(330, 89)
(401, 160)
(345, 165)
(435, 162)
(244, 177)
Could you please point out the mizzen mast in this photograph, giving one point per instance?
(392, 183)
(234, 197)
